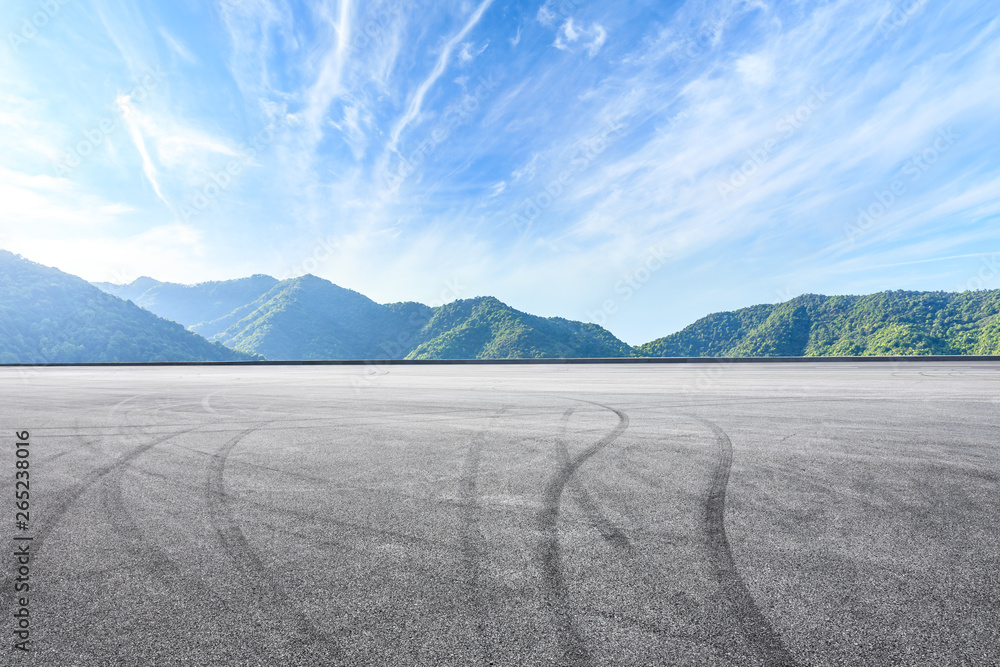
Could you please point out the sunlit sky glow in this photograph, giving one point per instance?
(638, 164)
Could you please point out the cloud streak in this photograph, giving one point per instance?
(417, 100)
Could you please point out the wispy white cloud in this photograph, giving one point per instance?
(469, 51)
(353, 127)
(417, 100)
(527, 170)
(177, 47)
(256, 29)
(130, 115)
(591, 39)
(329, 82)
(41, 201)
(545, 15)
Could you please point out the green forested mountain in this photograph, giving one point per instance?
(486, 328)
(888, 323)
(192, 304)
(311, 318)
(48, 316)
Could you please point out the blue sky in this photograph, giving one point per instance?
(635, 164)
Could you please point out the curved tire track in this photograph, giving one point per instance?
(156, 561)
(611, 533)
(256, 577)
(67, 498)
(758, 631)
(571, 645)
(471, 537)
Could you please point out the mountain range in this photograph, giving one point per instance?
(311, 318)
(192, 304)
(47, 316)
(50, 316)
(887, 323)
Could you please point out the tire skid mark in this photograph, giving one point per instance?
(67, 498)
(305, 517)
(758, 631)
(571, 645)
(156, 560)
(611, 533)
(117, 406)
(362, 528)
(255, 574)
(471, 538)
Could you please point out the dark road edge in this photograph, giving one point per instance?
(596, 360)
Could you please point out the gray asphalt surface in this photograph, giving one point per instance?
(762, 514)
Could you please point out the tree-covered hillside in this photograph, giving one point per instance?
(887, 323)
(47, 316)
(311, 318)
(486, 328)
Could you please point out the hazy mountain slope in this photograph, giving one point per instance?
(311, 318)
(213, 329)
(192, 304)
(407, 320)
(486, 328)
(50, 316)
(887, 323)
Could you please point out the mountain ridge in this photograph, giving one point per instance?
(887, 323)
(191, 304)
(48, 316)
(312, 318)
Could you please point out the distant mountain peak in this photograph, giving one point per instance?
(47, 316)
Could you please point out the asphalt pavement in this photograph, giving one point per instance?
(611, 514)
